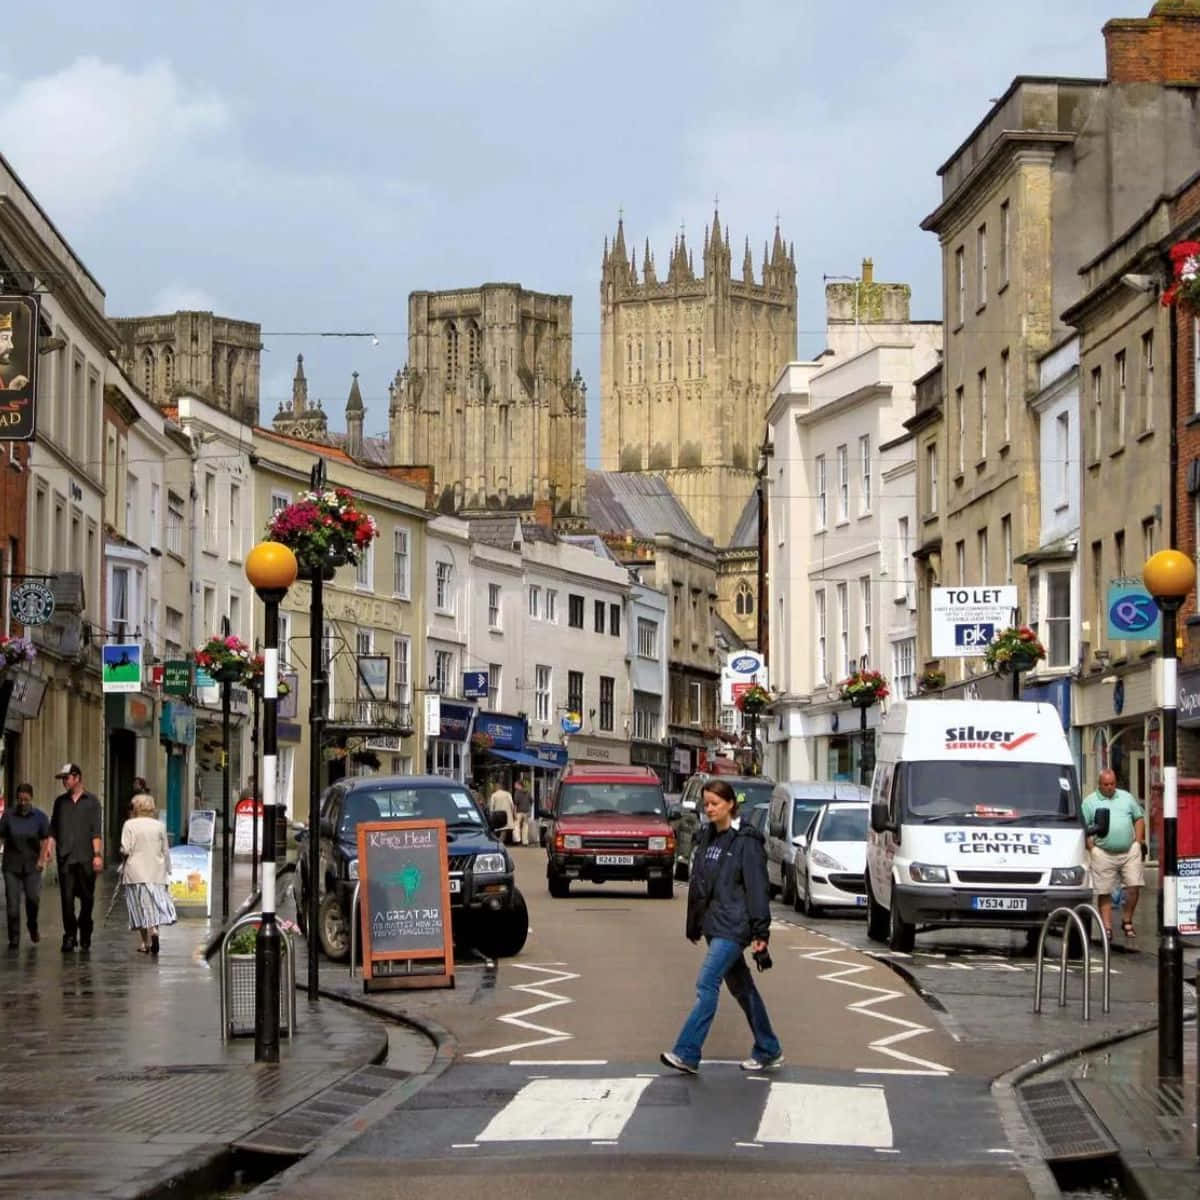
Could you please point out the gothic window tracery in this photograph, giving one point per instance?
(474, 344)
(744, 600)
(148, 372)
(168, 371)
(451, 350)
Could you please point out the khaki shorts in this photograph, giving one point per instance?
(1107, 868)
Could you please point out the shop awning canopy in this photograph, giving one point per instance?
(524, 760)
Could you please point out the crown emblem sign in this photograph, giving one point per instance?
(6, 320)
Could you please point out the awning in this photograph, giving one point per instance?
(524, 760)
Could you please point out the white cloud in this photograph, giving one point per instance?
(94, 131)
(180, 297)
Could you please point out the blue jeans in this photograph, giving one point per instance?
(724, 961)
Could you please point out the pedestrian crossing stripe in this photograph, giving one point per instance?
(597, 1110)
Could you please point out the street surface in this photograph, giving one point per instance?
(558, 1091)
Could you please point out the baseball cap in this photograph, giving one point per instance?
(67, 769)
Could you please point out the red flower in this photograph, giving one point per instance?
(1183, 250)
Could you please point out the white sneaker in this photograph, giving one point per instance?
(674, 1061)
(769, 1064)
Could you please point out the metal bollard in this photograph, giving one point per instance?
(354, 928)
(1070, 916)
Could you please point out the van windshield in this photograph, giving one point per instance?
(632, 799)
(991, 791)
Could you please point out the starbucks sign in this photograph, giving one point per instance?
(32, 603)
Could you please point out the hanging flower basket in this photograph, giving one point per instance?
(324, 530)
(864, 688)
(753, 700)
(481, 742)
(931, 680)
(226, 659)
(254, 676)
(1014, 649)
(1185, 285)
(15, 652)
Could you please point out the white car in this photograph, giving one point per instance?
(831, 859)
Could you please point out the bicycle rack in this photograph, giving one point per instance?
(1072, 917)
(289, 954)
(354, 928)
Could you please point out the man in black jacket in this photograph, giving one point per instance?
(729, 905)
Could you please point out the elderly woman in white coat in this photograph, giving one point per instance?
(146, 873)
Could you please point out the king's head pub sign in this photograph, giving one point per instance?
(18, 367)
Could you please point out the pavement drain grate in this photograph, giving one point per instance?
(296, 1132)
(1064, 1122)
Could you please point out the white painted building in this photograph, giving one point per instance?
(834, 532)
(449, 592)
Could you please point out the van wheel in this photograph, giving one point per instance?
(901, 935)
(559, 885)
(660, 889)
(877, 918)
(503, 934)
(788, 891)
(333, 929)
(809, 909)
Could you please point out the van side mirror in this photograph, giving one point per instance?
(1099, 826)
(880, 817)
(800, 841)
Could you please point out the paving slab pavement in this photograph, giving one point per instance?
(117, 1081)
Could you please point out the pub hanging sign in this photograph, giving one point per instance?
(18, 367)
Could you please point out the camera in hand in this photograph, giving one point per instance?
(762, 959)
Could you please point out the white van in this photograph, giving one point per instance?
(975, 819)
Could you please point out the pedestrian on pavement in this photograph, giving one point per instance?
(728, 904)
(75, 841)
(501, 801)
(1117, 857)
(522, 804)
(24, 835)
(146, 873)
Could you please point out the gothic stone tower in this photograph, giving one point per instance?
(214, 358)
(686, 368)
(487, 399)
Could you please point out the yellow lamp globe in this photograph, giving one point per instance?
(1169, 574)
(271, 567)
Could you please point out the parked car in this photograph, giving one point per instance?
(793, 807)
(609, 823)
(751, 790)
(831, 859)
(486, 909)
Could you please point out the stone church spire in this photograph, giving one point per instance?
(355, 412)
(747, 265)
(299, 389)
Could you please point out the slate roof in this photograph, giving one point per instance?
(745, 532)
(499, 531)
(638, 502)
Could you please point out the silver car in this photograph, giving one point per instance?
(794, 805)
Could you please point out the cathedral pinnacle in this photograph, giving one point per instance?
(299, 388)
(619, 241)
(354, 402)
(747, 265)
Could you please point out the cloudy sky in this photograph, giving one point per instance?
(307, 166)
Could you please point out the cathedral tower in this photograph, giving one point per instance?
(488, 400)
(687, 364)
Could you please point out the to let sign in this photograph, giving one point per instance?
(964, 620)
(404, 883)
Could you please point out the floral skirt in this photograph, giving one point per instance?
(149, 904)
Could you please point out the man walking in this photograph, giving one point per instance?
(24, 834)
(522, 809)
(501, 801)
(1116, 857)
(75, 839)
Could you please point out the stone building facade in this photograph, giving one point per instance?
(213, 358)
(687, 364)
(489, 401)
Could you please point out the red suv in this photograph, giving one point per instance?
(609, 823)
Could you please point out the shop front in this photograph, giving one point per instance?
(654, 755)
(176, 736)
(129, 722)
(447, 754)
(584, 748)
(845, 751)
(689, 754)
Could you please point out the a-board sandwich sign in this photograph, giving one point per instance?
(404, 895)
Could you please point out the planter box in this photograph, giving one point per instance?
(241, 996)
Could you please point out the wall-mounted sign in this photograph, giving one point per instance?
(572, 722)
(121, 667)
(964, 620)
(404, 881)
(373, 676)
(18, 367)
(1132, 614)
(507, 733)
(177, 677)
(32, 603)
(433, 714)
(475, 685)
(741, 670)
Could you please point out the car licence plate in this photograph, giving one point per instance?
(1000, 903)
(614, 860)
(455, 885)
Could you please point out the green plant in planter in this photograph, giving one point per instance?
(864, 688)
(1016, 648)
(246, 938)
(932, 680)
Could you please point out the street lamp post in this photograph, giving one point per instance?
(256, 695)
(226, 847)
(1169, 575)
(316, 739)
(271, 568)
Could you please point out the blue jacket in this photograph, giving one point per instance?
(733, 901)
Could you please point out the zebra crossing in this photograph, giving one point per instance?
(495, 1110)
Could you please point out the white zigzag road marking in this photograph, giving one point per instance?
(537, 987)
(883, 1045)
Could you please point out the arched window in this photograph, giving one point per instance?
(744, 601)
(451, 350)
(168, 372)
(474, 344)
(148, 372)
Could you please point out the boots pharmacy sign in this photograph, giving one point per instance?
(963, 620)
(18, 367)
